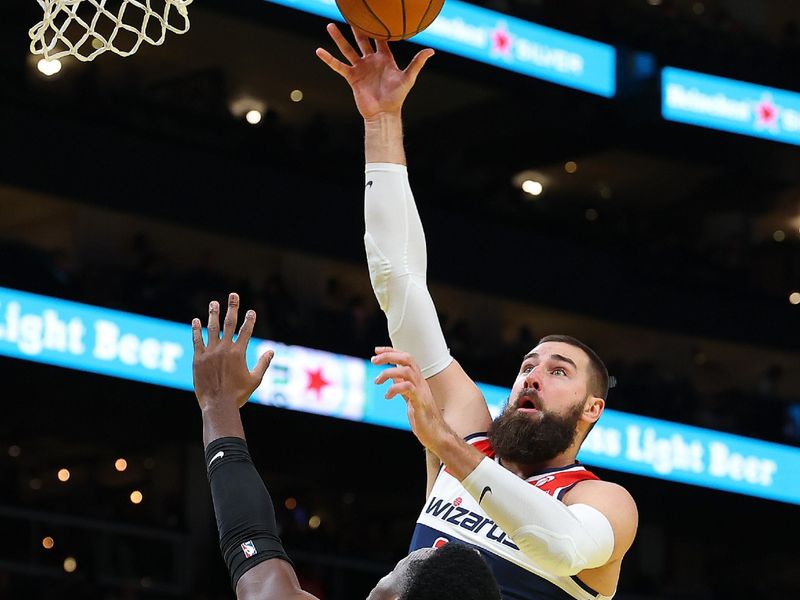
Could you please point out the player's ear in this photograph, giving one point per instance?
(593, 408)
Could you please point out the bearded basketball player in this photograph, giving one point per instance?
(511, 489)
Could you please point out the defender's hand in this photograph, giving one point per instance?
(220, 368)
(378, 84)
(424, 416)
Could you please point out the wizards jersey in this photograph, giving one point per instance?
(452, 514)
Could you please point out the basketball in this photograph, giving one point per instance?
(390, 20)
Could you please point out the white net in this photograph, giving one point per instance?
(87, 28)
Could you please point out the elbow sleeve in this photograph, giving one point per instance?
(396, 256)
(561, 539)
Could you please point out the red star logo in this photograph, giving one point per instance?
(766, 112)
(316, 382)
(501, 41)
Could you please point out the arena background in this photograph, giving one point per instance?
(136, 184)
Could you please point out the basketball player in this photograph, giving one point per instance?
(258, 565)
(512, 488)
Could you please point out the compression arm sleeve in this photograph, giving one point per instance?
(248, 533)
(396, 255)
(562, 540)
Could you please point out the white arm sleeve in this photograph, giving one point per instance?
(397, 260)
(563, 540)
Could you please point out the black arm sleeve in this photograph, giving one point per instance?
(245, 514)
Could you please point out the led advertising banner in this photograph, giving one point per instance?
(507, 43)
(729, 105)
(119, 344)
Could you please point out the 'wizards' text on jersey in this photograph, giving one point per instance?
(452, 514)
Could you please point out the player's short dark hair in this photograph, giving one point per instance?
(598, 375)
(453, 572)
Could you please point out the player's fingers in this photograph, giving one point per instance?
(213, 323)
(394, 357)
(404, 388)
(333, 63)
(393, 373)
(344, 46)
(382, 47)
(261, 366)
(416, 64)
(231, 317)
(363, 42)
(246, 330)
(197, 337)
(382, 349)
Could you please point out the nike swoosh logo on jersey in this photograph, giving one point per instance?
(483, 493)
(219, 454)
(368, 185)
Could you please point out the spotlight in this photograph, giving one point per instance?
(794, 298)
(779, 235)
(290, 503)
(314, 522)
(534, 188)
(48, 543)
(63, 475)
(296, 95)
(48, 68)
(136, 497)
(570, 166)
(14, 451)
(120, 464)
(253, 116)
(70, 564)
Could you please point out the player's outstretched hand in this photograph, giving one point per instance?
(424, 416)
(220, 368)
(378, 84)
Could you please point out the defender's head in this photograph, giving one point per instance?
(452, 572)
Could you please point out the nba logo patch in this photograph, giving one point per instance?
(249, 549)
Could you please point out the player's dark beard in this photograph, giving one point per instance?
(518, 438)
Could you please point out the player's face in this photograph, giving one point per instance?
(546, 403)
(553, 377)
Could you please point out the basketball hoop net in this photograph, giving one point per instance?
(87, 28)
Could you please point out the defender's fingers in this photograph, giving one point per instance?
(363, 42)
(262, 365)
(213, 323)
(231, 317)
(416, 64)
(333, 63)
(197, 337)
(344, 46)
(246, 330)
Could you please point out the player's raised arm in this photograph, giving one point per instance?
(394, 239)
(256, 560)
